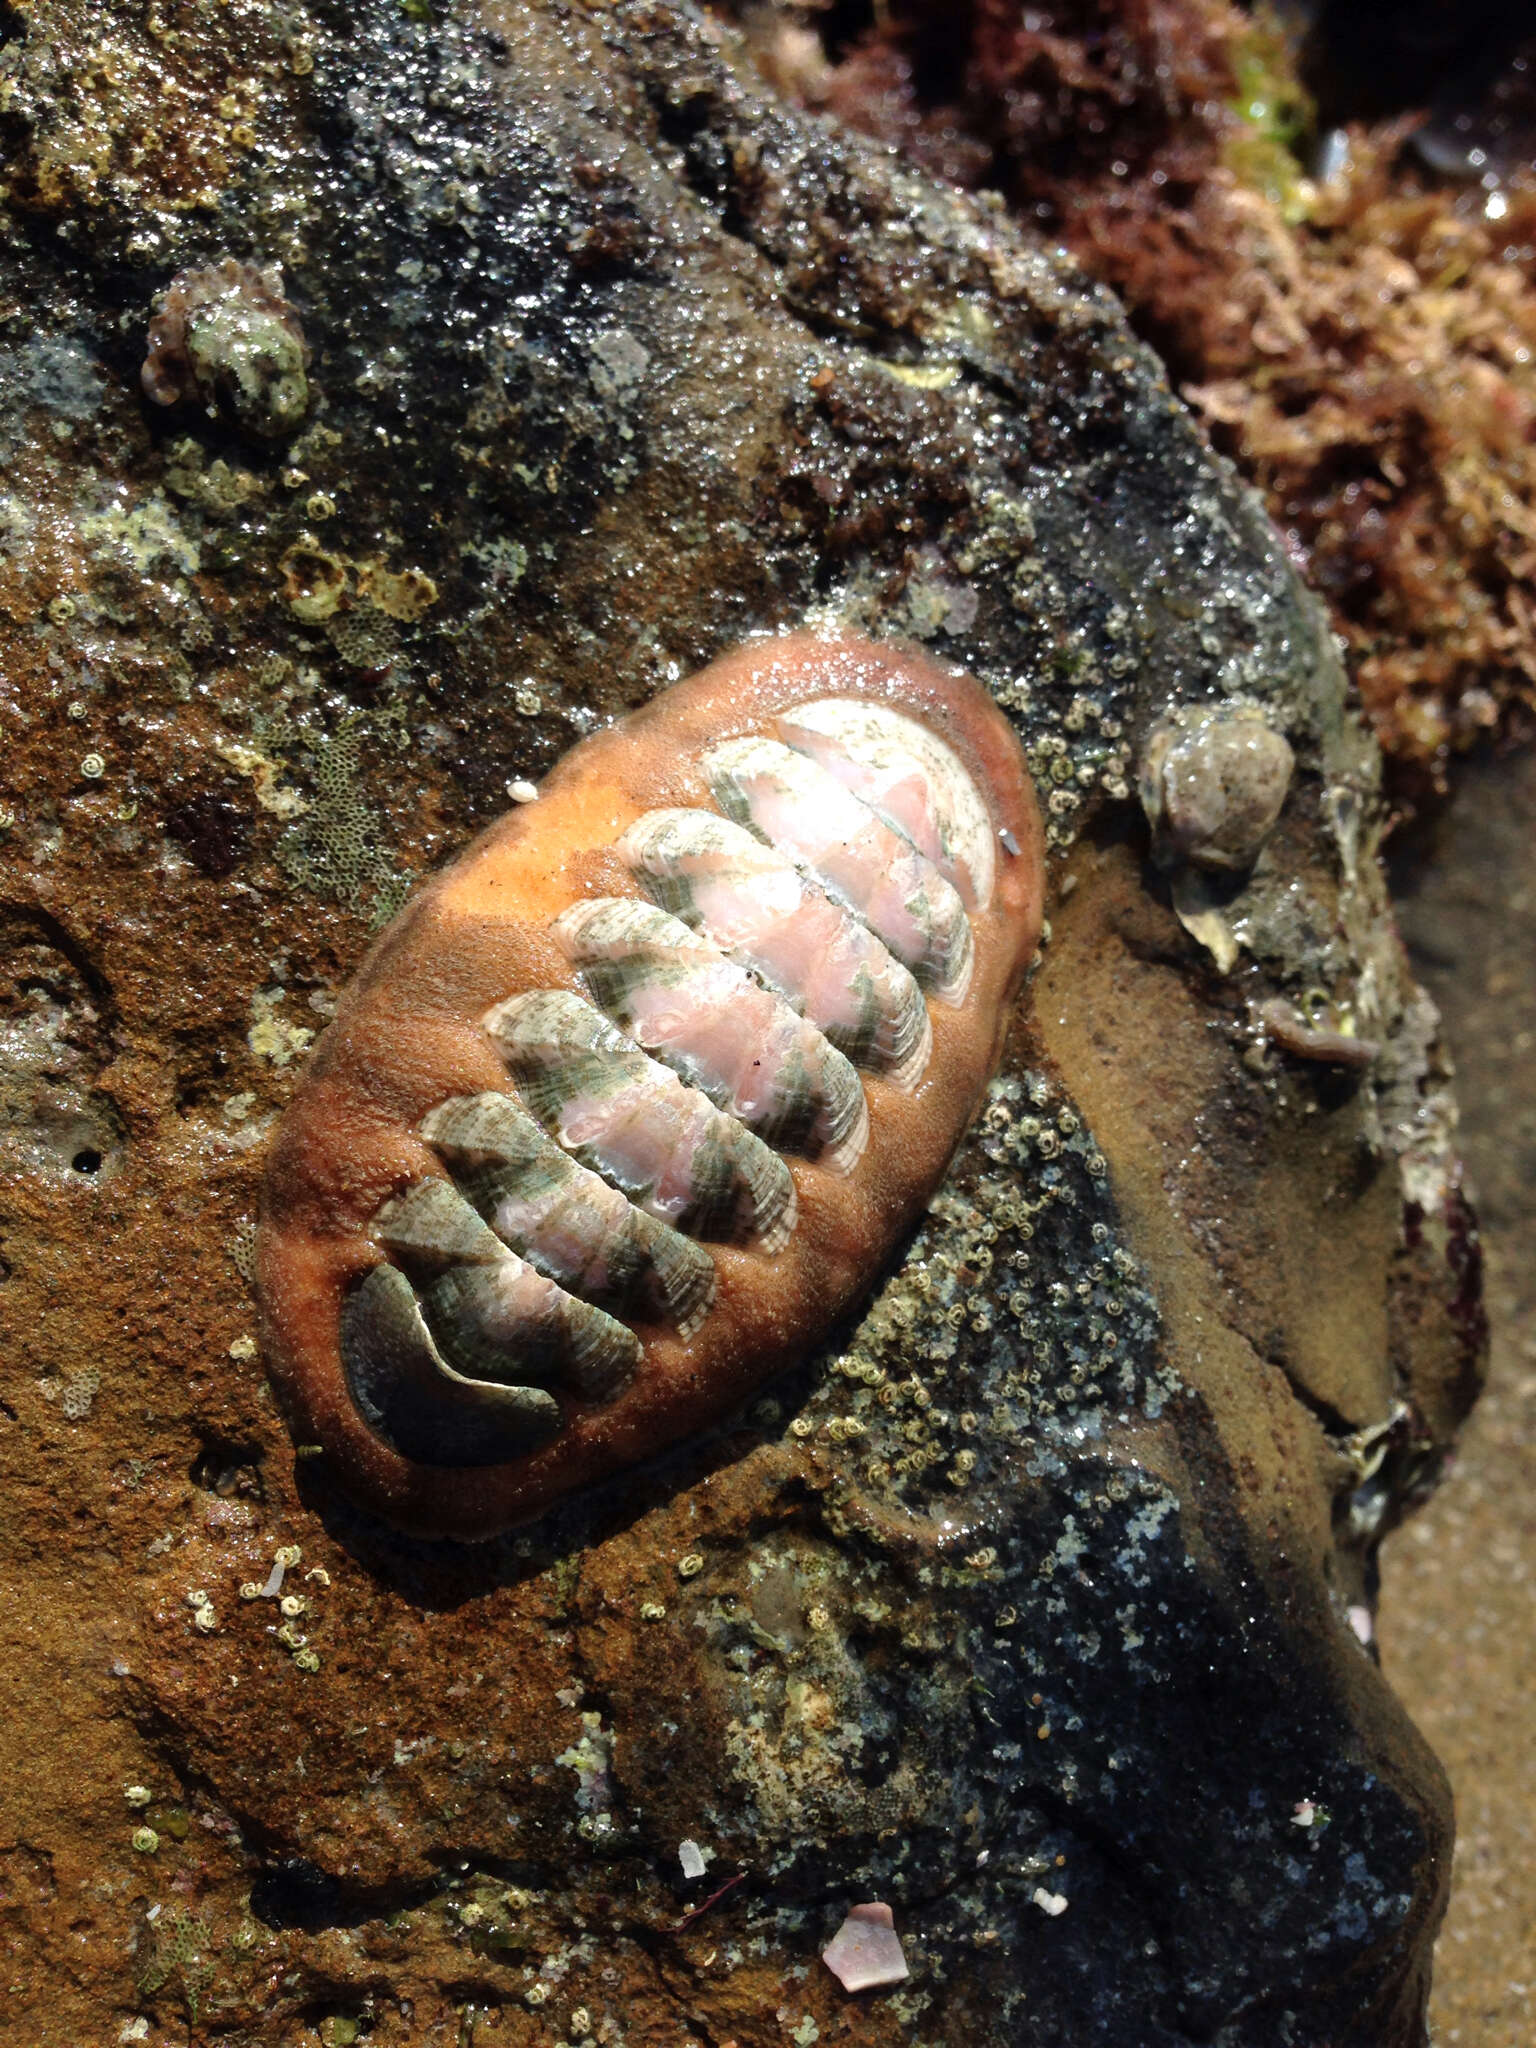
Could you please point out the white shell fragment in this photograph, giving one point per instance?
(865, 1953)
(691, 1857)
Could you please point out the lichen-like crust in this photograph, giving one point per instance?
(529, 1219)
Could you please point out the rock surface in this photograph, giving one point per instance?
(1457, 1580)
(1050, 1583)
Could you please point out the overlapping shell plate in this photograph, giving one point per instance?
(633, 1101)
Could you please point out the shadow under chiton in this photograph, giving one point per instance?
(630, 1103)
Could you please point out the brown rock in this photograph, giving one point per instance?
(1040, 1582)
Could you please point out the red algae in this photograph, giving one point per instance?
(1361, 342)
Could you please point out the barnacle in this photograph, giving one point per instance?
(314, 582)
(226, 336)
(628, 1106)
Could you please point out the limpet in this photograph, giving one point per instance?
(632, 1102)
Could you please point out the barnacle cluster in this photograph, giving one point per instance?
(995, 1328)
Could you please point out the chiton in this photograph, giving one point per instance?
(630, 1103)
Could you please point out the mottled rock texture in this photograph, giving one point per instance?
(1457, 1579)
(1038, 1585)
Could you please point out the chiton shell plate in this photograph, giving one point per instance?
(632, 1102)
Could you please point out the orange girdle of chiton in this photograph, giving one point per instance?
(456, 1303)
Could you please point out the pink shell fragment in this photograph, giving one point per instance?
(865, 1953)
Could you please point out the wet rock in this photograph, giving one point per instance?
(56, 1123)
(1045, 1581)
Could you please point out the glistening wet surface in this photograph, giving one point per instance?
(1460, 1580)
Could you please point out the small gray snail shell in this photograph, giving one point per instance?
(1213, 780)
